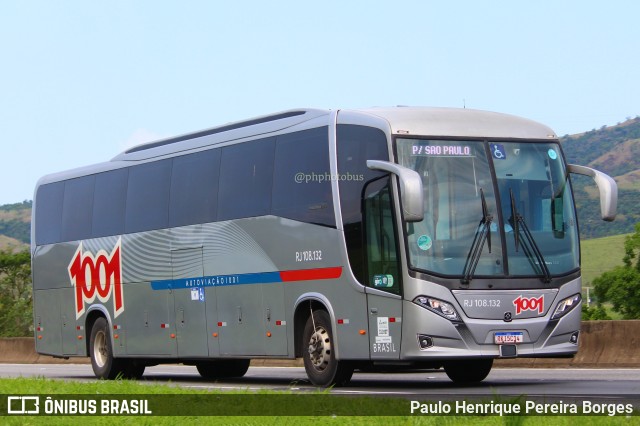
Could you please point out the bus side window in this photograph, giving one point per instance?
(301, 179)
(148, 196)
(77, 208)
(356, 145)
(380, 237)
(194, 188)
(49, 213)
(246, 179)
(109, 203)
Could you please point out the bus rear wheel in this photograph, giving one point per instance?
(320, 363)
(104, 365)
(468, 371)
(223, 369)
(133, 369)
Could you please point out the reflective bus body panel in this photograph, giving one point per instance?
(205, 281)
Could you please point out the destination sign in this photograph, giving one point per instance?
(441, 150)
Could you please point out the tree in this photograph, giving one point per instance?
(594, 313)
(621, 285)
(16, 310)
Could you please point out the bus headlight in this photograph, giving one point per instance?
(439, 307)
(566, 305)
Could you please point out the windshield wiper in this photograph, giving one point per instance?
(520, 224)
(483, 233)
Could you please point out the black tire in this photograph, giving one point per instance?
(319, 357)
(223, 369)
(468, 371)
(104, 365)
(133, 370)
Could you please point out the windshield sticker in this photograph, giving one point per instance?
(498, 152)
(383, 326)
(385, 281)
(552, 154)
(424, 242)
(441, 150)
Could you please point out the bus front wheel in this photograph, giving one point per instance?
(468, 371)
(320, 363)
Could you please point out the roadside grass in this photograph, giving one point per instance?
(181, 396)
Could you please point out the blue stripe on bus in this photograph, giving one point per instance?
(251, 278)
(218, 280)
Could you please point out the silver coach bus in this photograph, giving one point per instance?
(355, 239)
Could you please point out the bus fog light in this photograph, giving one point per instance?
(425, 342)
(566, 305)
(574, 337)
(439, 307)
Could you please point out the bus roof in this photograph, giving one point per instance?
(458, 122)
(402, 121)
(424, 121)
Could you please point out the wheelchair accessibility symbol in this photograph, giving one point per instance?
(498, 152)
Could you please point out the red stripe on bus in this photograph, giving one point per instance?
(311, 274)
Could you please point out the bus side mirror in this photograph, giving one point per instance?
(412, 199)
(607, 187)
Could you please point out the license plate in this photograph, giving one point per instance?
(502, 338)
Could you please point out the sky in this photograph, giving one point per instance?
(81, 81)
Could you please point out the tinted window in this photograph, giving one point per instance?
(148, 196)
(77, 209)
(302, 178)
(356, 145)
(109, 203)
(383, 269)
(246, 174)
(49, 213)
(194, 188)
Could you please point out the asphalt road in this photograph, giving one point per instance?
(614, 385)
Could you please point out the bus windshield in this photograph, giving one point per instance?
(527, 228)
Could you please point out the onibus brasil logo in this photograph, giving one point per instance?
(98, 275)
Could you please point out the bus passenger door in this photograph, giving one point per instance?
(190, 303)
(384, 301)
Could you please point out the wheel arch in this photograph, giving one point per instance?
(302, 311)
(94, 312)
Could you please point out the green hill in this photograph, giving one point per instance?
(15, 225)
(604, 148)
(614, 150)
